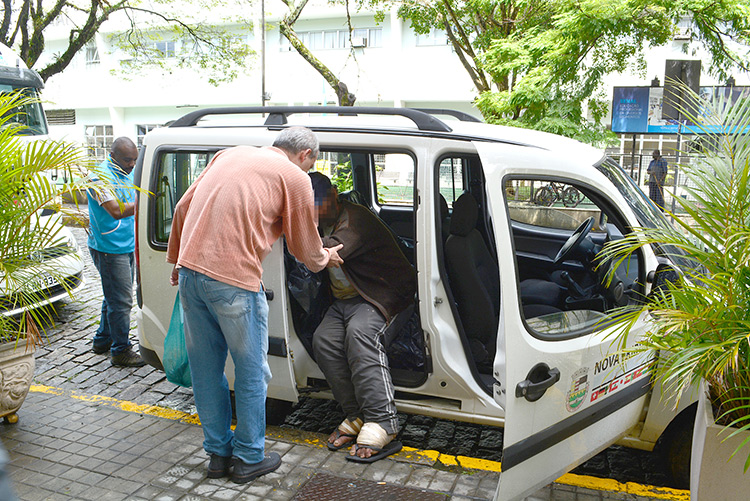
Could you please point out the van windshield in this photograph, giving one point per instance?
(646, 211)
(31, 114)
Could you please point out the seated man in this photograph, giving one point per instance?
(375, 283)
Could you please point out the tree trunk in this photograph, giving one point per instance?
(345, 97)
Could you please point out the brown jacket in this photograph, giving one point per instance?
(373, 262)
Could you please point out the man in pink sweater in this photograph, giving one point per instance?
(222, 229)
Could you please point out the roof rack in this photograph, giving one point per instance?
(277, 115)
(464, 117)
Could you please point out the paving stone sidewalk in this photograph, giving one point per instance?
(66, 360)
(69, 442)
(66, 448)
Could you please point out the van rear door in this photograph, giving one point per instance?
(567, 395)
(171, 171)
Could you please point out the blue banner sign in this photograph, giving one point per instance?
(638, 110)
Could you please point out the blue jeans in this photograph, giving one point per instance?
(221, 317)
(116, 271)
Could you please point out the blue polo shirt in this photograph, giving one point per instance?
(107, 234)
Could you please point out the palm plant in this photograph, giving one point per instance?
(701, 316)
(29, 211)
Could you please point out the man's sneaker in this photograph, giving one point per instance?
(100, 350)
(128, 359)
(244, 473)
(219, 466)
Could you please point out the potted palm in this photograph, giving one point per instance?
(700, 311)
(32, 245)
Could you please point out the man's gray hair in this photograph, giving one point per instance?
(297, 139)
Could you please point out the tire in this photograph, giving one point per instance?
(545, 196)
(676, 445)
(277, 411)
(571, 197)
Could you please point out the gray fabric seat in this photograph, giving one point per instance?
(474, 278)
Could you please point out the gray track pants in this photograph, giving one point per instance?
(348, 348)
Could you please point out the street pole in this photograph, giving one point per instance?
(263, 53)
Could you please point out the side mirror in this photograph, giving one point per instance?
(660, 278)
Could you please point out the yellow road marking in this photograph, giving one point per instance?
(407, 454)
(151, 410)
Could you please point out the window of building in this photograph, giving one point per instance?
(92, 53)
(144, 129)
(99, 139)
(164, 50)
(60, 117)
(336, 39)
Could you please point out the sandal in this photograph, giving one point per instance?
(372, 436)
(348, 430)
(380, 452)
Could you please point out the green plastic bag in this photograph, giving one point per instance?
(175, 361)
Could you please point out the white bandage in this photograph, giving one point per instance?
(351, 427)
(373, 435)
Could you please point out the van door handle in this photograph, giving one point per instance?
(540, 378)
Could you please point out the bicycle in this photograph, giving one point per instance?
(554, 192)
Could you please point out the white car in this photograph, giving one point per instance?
(58, 274)
(502, 226)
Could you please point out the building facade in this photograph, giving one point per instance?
(382, 61)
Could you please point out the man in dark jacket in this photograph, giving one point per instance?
(374, 284)
(657, 170)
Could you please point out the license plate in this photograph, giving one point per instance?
(46, 281)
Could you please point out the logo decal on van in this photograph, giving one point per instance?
(579, 388)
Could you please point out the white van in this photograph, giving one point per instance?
(63, 255)
(506, 328)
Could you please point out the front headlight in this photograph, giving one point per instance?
(73, 243)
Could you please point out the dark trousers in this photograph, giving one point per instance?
(116, 271)
(656, 193)
(348, 346)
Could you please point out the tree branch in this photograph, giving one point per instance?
(98, 13)
(7, 14)
(477, 76)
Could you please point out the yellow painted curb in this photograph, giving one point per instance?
(408, 454)
(151, 410)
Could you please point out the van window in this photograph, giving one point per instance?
(394, 176)
(175, 173)
(558, 228)
(552, 204)
(451, 179)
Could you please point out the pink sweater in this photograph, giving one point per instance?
(226, 222)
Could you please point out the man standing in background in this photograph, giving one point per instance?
(657, 170)
(112, 247)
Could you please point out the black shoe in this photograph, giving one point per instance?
(219, 466)
(128, 359)
(100, 350)
(244, 473)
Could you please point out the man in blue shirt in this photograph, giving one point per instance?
(112, 246)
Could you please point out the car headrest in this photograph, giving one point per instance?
(353, 196)
(464, 217)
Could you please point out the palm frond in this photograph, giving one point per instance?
(25, 189)
(701, 324)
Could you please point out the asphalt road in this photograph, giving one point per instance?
(66, 361)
